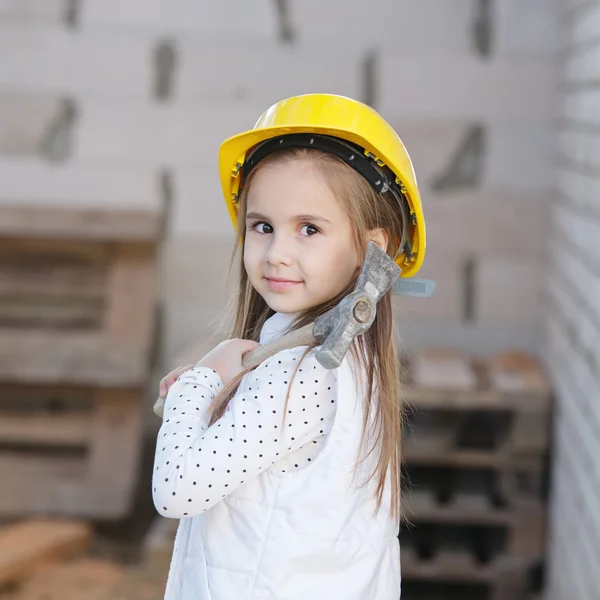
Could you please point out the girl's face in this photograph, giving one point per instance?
(299, 250)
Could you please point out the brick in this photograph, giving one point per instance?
(272, 72)
(471, 88)
(155, 135)
(515, 155)
(55, 60)
(507, 289)
(528, 28)
(77, 185)
(199, 207)
(24, 123)
(415, 26)
(226, 19)
(51, 11)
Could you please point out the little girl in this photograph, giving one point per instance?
(286, 478)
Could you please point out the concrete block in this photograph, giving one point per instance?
(521, 156)
(158, 135)
(76, 185)
(511, 155)
(16, 11)
(530, 28)
(447, 302)
(235, 20)
(265, 72)
(507, 289)
(25, 122)
(194, 284)
(462, 87)
(414, 26)
(199, 207)
(487, 223)
(77, 63)
(478, 338)
(195, 270)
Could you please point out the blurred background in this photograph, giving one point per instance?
(115, 242)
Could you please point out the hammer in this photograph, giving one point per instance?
(335, 330)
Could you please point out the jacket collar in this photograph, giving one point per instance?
(276, 326)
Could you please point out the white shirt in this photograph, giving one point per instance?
(196, 465)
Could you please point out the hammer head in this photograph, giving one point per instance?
(337, 328)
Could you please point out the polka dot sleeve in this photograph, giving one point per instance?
(196, 466)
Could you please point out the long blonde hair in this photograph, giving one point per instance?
(376, 349)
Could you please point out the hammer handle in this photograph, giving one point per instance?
(301, 337)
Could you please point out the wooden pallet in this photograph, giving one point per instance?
(78, 296)
(447, 555)
(469, 413)
(78, 325)
(456, 576)
(68, 450)
(516, 531)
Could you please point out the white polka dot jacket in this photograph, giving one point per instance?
(271, 509)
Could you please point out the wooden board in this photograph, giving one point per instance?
(25, 545)
(69, 451)
(442, 378)
(52, 332)
(524, 524)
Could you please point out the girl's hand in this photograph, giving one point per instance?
(168, 380)
(226, 358)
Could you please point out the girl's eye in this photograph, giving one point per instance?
(261, 227)
(310, 229)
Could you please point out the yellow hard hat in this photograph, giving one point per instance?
(341, 126)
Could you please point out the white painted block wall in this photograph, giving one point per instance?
(572, 307)
(417, 61)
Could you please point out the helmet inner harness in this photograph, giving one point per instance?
(380, 177)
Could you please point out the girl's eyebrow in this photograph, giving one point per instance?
(255, 215)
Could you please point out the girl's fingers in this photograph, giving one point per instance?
(171, 378)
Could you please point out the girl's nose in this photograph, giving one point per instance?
(278, 251)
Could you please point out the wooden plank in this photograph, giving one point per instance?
(25, 545)
(445, 566)
(132, 298)
(443, 369)
(42, 313)
(43, 428)
(116, 439)
(75, 200)
(34, 484)
(59, 222)
(51, 280)
(76, 358)
(92, 578)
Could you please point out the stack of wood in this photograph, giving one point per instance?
(78, 320)
(57, 559)
(475, 454)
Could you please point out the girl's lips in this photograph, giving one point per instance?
(280, 285)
